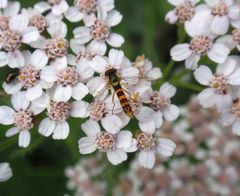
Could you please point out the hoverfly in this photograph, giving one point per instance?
(114, 81)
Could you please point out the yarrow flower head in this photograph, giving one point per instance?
(22, 117)
(218, 94)
(29, 77)
(184, 11)
(113, 141)
(99, 32)
(11, 39)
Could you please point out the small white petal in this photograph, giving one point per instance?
(220, 25)
(3, 59)
(42, 7)
(13, 87)
(171, 112)
(24, 138)
(203, 75)
(59, 63)
(113, 18)
(19, 101)
(115, 40)
(30, 34)
(97, 47)
(42, 101)
(147, 159)
(62, 93)
(180, 52)
(57, 29)
(5, 172)
(61, 131)
(48, 74)
(79, 109)
(86, 145)
(155, 73)
(46, 127)
(6, 115)
(207, 98)
(60, 8)
(218, 53)
(228, 67)
(158, 119)
(34, 92)
(192, 61)
(145, 114)
(165, 147)
(171, 17)
(112, 124)
(147, 126)
(12, 131)
(12, 9)
(39, 59)
(91, 128)
(18, 23)
(116, 57)
(234, 78)
(116, 156)
(15, 59)
(98, 64)
(82, 35)
(79, 91)
(73, 14)
(167, 90)
(176, 2)
(124, 139)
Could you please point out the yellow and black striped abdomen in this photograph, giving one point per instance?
(115, 83)
(123, 100)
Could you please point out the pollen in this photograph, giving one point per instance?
(219, 83)
(10, 40)
(24, 119)
(185, 12)
(105, 141)
(68, 76)
(201, 44)
(100, 30)
(146, 142)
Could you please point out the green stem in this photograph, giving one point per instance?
(185, 85)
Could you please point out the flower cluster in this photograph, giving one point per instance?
(213, 28)
(206, 162)
(81, 75)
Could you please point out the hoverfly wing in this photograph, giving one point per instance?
(101, 92)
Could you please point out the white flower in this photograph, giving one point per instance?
(108, 110)
(149, 146)
(57, 7)
(218, 93)
(114, 142)
(86, 9)
(222, 13)
(160, 102)
(21, 117)
(67, 82)
(117, 61)
(183, 12)
(201, 44)
(29, 76)
(5, 172)
(58, 113)
(11, 39)
(147, 73)
(37, 19)
(100, 32)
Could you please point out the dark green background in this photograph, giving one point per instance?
(39, 169)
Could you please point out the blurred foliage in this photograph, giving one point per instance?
(39, 169)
